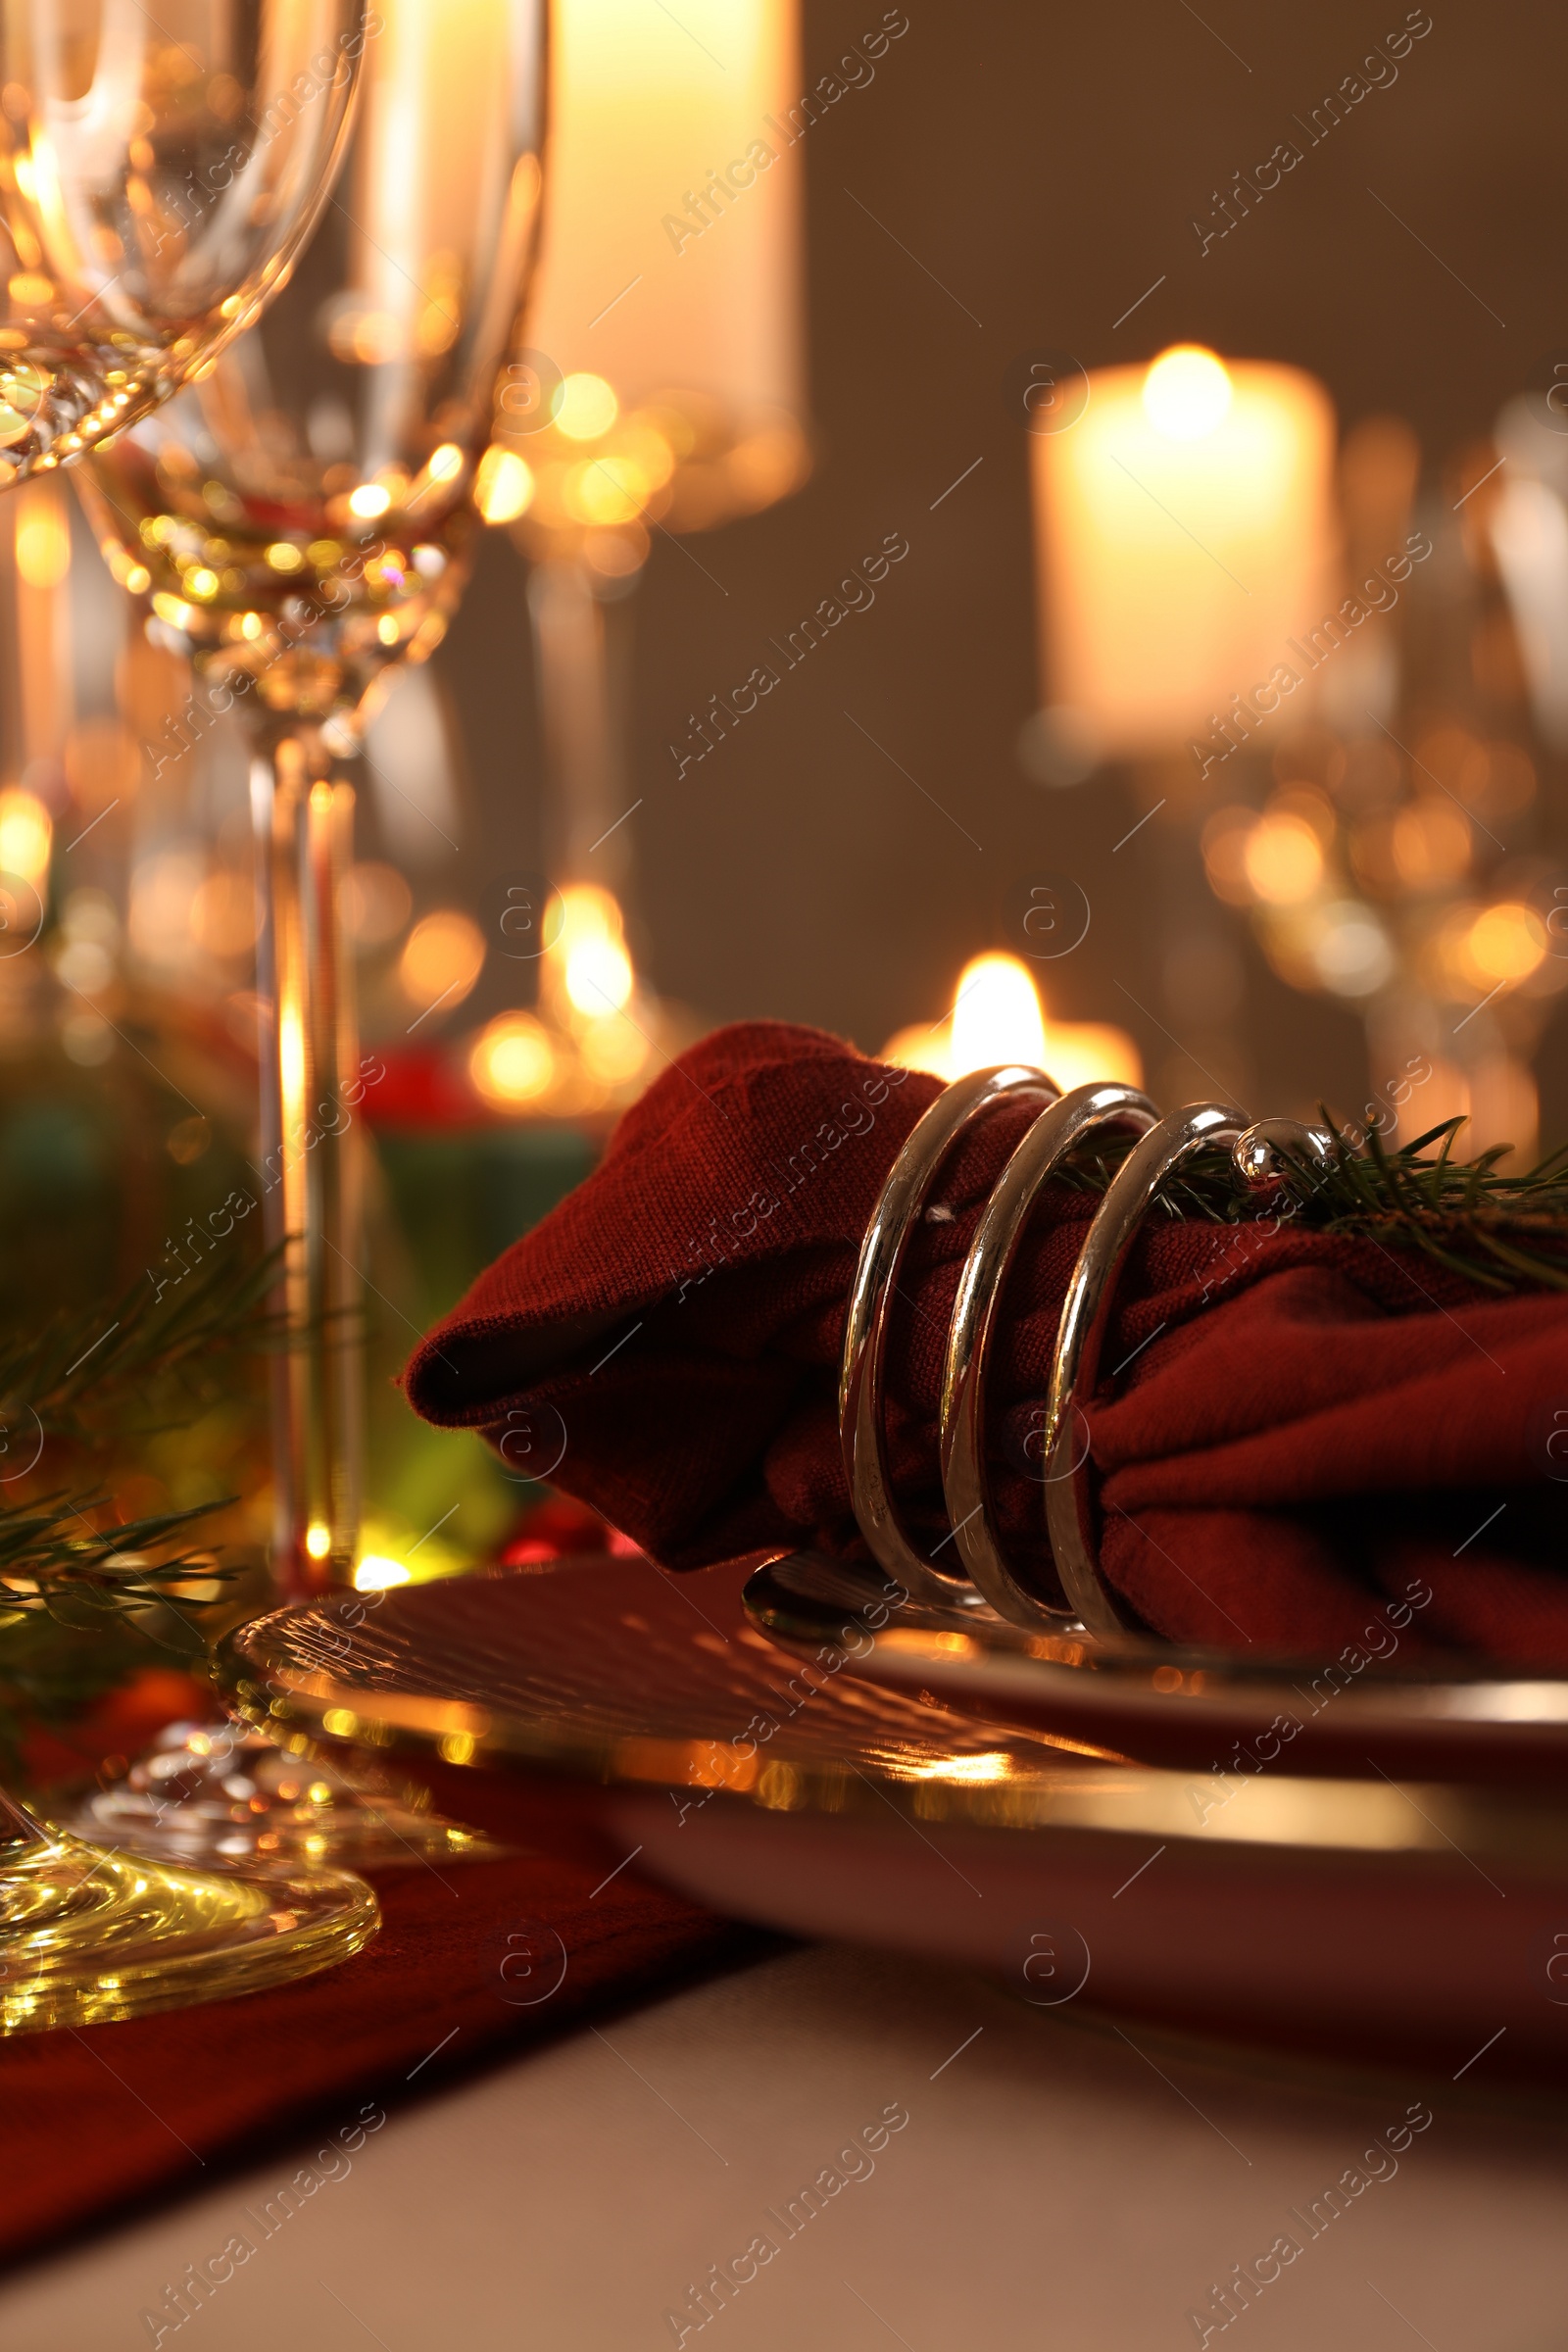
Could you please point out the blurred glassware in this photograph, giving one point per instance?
(156, 180)
(221, 1793)
(1398, 847)
(664, 392)
(157, 176)
(299, 525)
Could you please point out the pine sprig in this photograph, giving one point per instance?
(92, 1383)
(1502, 1232)
(79, 1369)
(54, 1561)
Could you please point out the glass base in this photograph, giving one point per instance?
(217, 1796)
(88, 1936)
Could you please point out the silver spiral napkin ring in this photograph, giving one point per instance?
(977, 1571)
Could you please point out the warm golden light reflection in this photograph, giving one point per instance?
(317, 1540)
(43, 536)
(588, 955)
(291, 1057)
(598, 977)
(503, 485)
(998, 1017)
(973, 1771)
(377, 1574)
(588, 1047)
(26, 836)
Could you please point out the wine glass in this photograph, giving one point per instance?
(158, 176)
(298, 524)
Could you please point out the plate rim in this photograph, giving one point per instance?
(1415, 1823)
(1156, 1676)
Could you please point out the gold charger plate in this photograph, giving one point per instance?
(606, 1706)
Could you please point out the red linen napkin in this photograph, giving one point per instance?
(1300, 1427)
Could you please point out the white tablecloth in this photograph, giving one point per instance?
(1054, 2186)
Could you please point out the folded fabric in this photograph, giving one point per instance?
(1296, 1426)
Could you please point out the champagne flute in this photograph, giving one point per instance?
(157, 179)
(299, 524)
(157, 176)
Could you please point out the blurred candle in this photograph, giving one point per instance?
(672, 232)
(998, 1016)
(667, 325)
(1184, 534)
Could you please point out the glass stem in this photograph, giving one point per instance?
(580, 697)
(311, 1157)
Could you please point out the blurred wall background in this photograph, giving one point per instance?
(1016, 178)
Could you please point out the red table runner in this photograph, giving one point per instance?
(96, 2121)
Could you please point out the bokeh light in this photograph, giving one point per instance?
(1282, 859)
(1505, 944)
(442, 958)
(512, 1062)
(26, 836)
(374, 903)
(503, 485)
(585, 408)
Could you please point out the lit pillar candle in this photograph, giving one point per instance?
(672, 229)
(665, 379)
(1184, 536)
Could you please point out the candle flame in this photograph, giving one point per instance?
(998, 1017)
(590, 953)
(1187, 392)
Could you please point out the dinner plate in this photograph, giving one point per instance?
(1366, 1709)
(646, 1719)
